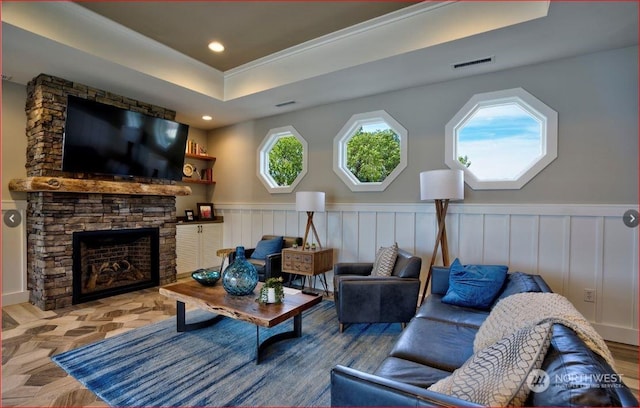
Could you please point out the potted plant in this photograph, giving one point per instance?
(271, 291)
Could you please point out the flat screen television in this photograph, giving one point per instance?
(104, 139)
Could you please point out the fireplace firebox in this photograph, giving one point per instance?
(111, 262)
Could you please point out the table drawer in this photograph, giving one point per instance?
(307, 262)
(297, 261)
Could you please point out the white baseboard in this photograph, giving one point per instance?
(617, 334)
(14, 298)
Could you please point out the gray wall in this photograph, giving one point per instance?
(595, 95)
(14, 139)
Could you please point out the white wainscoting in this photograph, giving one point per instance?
(573, 247)
(14, 256)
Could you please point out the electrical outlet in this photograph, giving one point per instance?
(590, 295)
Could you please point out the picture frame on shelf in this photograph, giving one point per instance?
(205, 211)
(189, 215)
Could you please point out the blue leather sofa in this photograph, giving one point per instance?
(440, 338)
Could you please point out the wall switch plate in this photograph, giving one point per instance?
(590, 295)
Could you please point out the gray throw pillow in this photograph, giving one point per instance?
(497, 376)
(385, 260)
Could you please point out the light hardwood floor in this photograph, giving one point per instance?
(31, 336)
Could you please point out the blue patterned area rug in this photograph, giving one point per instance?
(215, 366)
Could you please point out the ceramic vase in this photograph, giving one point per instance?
(240, 278)
(271, 295)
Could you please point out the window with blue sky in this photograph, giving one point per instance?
(499, 142)
(502, 139)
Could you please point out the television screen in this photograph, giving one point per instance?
(105, 139)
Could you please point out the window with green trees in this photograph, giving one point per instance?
(370, 151)
(282, 159)
(285, 160)
(373, 154)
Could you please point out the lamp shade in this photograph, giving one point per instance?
(310, 201)
(442, 184)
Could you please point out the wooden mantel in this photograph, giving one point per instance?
(71, 185)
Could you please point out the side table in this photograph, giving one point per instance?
(224, 254)
(308, 262)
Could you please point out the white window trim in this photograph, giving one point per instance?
(547, 116)
(263, 159)
(340, 150)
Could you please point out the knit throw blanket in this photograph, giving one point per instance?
(527, 309)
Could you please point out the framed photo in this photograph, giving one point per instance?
(205, 211)
(189, 215)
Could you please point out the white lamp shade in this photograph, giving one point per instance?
(310, 201)
(442, 184)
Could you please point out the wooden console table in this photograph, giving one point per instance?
(308, 262)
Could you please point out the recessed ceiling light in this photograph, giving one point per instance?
(207, 117)
(215, 46)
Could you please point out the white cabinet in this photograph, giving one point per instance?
(196, 246)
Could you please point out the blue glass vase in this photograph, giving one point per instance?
(240, 278)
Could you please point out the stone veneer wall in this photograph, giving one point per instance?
(52, 218)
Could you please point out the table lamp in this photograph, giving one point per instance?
(441, 186)
(310, 201)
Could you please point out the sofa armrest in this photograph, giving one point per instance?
(273, 266)
(351, 387)
(359, 268)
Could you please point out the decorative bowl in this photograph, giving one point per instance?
(206, 277)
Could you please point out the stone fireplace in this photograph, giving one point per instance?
(53, 217)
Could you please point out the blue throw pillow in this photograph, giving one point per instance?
(474, 285)
(267, 247)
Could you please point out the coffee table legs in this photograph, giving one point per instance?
(183, 326)
(296, 332)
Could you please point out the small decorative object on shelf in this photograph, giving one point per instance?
(313, 246)
(205, 211)
(189, 216)
(240, 278)
(271, 291)
(196, 148)
(188, 170)
(206, 277)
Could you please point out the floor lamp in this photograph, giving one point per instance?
(310, 201)
(441, 186)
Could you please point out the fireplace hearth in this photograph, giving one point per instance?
(111, 262)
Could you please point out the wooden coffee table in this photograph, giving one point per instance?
(215, 299)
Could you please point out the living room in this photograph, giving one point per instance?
(565, 224)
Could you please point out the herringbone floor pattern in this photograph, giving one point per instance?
(30, 337)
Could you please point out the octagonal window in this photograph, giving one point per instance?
(370, 151)
(502, 139)
(282, 159)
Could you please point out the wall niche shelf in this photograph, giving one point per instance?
(203, 175)
(200, 157)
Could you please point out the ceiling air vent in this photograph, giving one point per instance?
(467, 64)
(281, 104)
(6, 77)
